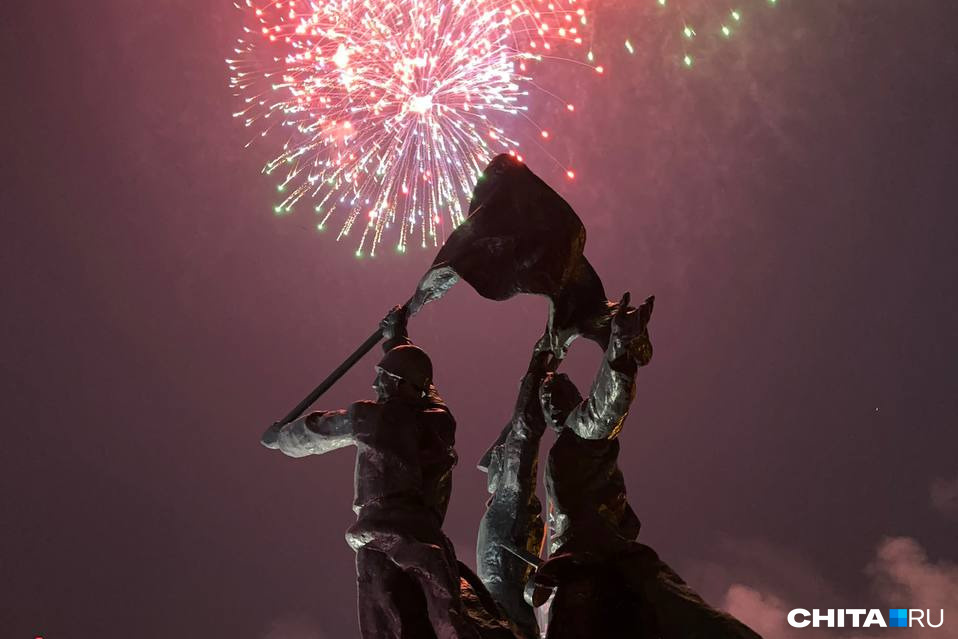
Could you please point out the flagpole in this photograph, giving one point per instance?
(332, 378)
(340, 370)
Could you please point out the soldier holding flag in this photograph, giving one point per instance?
(520, 237)
(405, 456)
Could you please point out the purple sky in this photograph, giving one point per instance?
(789, 202)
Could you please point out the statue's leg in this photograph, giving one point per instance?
(379, 617)
(504, 574)
(434, 569)
(512, 519)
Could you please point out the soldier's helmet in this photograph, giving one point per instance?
(410, 363)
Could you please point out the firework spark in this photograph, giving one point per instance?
(389, 109)
(699, 26)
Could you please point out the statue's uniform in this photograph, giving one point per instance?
(404, 463)
(585, 487)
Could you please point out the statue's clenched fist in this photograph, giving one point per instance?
(630, 331)
(395, 322)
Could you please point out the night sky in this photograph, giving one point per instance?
(789, 201)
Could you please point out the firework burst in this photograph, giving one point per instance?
(389, 109)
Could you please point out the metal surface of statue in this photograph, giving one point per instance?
(586, 489)
(520, 237)
(405, 456)
(605, 583)
(512, 523)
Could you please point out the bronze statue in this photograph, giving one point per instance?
(583, 481)
(585, 488)
(512, 525)
(520, 238)
(405, 456)
(591, 522)
(604, 582)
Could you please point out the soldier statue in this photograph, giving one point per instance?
(405, 456)
(520, 237)
(604, 582)
(512, 526)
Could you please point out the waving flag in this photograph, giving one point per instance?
(522, 237)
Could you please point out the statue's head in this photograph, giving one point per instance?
(405, 371)
(559, 396)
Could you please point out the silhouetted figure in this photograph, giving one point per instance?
(512, 525)
(606, 583)
(512, 521)
(405, 456)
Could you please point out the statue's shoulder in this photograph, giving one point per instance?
(364, 409)
(437, 416)
(437, 410)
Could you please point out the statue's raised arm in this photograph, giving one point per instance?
(601, 414)
(512, 522)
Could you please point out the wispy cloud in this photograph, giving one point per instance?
(764, 613)
(944, 496)
(901, 575)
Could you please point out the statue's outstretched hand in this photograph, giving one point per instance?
(630, 331)
(270, 438)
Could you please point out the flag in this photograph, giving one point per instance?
(521, 237)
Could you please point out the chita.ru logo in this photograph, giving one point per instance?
(866, 618)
